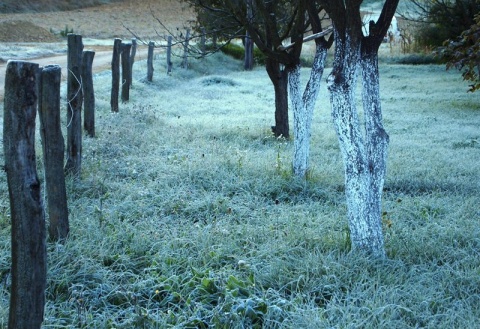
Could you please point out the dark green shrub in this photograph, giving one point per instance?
(238, 52)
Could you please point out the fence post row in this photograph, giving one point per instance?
(74, 105)
(53, 152)
(88, 93)
(28, 233)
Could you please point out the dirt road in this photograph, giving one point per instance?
(101, 62)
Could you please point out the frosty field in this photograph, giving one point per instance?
(187, 214)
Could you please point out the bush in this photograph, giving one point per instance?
(446, 19)
(238, 52)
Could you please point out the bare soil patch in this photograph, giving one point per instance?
(103, 22)
(25, 31)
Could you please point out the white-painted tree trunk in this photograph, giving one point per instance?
(303, 106)
(361, 174)
(376, 137)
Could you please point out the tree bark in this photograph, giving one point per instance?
(279, 78)
(126, 73)
(151, 46)
(115, 74)
(53, 152)
(28, 233)
(303, 106)
(376, 137)
(74, 105)
(365, 226)
(88, 93)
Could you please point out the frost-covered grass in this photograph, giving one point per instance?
(187, 215)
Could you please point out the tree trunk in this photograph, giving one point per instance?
(74, 105)
(117, 44)
(151, 46)
(28, 233)
(53, 152)
(126, 73)
(365, 226)
(303, 107)
(376, 137)
(279, 78)
(88, 93)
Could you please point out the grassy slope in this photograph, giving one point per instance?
(187, 213)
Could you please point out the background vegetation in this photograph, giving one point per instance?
(187, 215)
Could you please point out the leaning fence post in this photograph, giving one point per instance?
(115, 74)
(151, 46)
(185, 50)
(169, 54)
(88, 93)
(28, 232)
(53, 151)
(126, 71)
(74, 105)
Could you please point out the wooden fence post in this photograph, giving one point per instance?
(132, 58)
(151, 46)
(53, 151)
(185, 50)
(74, 105)
(169, 54)
(126, 71)
(28, 232)
(202, 40)
(88, 93)
(115, 74)
(248, 61)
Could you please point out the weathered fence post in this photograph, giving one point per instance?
(185, 50)
(132, 58)
(169, 54)
(115, 74)
(74, 105)
(151, 46)
(53, 151)
(248, 61)
(28, 232)
(126, 73)
(88, 93)
(202, 40)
